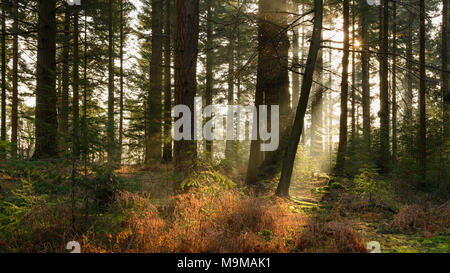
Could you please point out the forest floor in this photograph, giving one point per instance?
(322, 215)
(318, 200)
(372, 223)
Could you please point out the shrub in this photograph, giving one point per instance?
(431, 219)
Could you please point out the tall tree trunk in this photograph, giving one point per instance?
(353, 95)
(365, 70)
(185, 76)
(330, 109)
(384, 86)
(64, 115)
(3, 106)
(15, 80)
(296, 62)
(291, 150)
(154, 137)
(272, 76)
(230, 147)
(317, 110)
(446, 70)
(422, 92)
(120, 152)
(209, 68)
(75, 86)
(167, 150)
(46, 122)
(110, 123)
(394, 82)
(343, 130)
(408, 95)
(85, 99)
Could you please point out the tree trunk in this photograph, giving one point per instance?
(446, 71)
(353, 95)
(422, 92)
(230, 144)
(46, 122)
(209, 68)
(343, 130)
(154, 137)
(110, 123)
(394, 82)
(408, 95)
(120, 152)
(291, 150)
(15, 80)
(3, 106)
(317, 110)
(384, 87)
(167, 150)
(185, 76)
(296, 62)
(64, 114)
(272, 76)
(75, 87)
(365, 70)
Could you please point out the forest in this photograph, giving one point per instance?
(233, 126)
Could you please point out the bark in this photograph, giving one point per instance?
(64, 114)
(343, 130)
(289, 157)
(384, 87)
(408, 93)
(296, 62)
(446, 70)
(209, 68)
(3, 104)
(422, 91)
(394, 82)
(46, 122)
(154, 119)
(121, 86)
(317, 110)
(272, 76)
(185, 76)
(75, 87)
(15, 72)
(353, 94)
(365, 70)
(110, 123)
(167, 150)
(230, 144)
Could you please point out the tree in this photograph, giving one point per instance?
(384, 86)
(365, 71)
(15, 80)
(154, 104)
(167, 150)
(185, 75)
(64, 112)
(394, 81)
(110, 123)
(209, 66)
(446, 68)
(3, 56)
(343, 130)
(294, 139)
(46, 122)
(295, 60)
(422, 91)
(76, 86)
(121, 22)
(272, 78)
